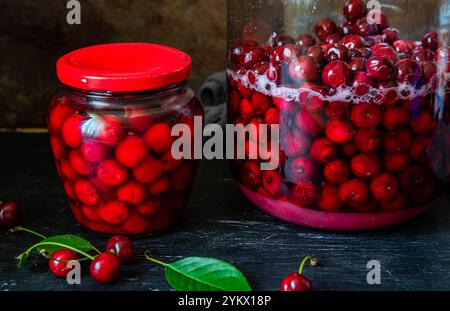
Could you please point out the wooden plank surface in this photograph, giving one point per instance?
(220, 223)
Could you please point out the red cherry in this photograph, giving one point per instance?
(396, 162)
(160, 186)
(353, 41)
(366, 115)
(58, 148)
(71, 130)
(333, 38)
(324, 28)
(302, 169)
(135, 224)
(252, 55)
(305, 40)
(365, 29)
(58, 115)
(159, 138)
(421, 54)
(308, 123)
(388, 93)
(398, 203)
(93, 152)
(110, 131)
(260, 103)
(10, 215)
(304, 68)
(113, 212)
(419, 148)
(429, 71)
(67, 170)
(131, 151)
(362, 83)
(329, 199)
(305, 194)
(120, 246)
(58, 262)
(390, 35)
(284, 53)
(404, 46)
(257, 69)
(244, 91)
(312, 97)
(335, 74)
(80, 165)
(424, 123)
(251, 174)
(431, 41)
(409, 71)
(148, 171)
(86, 192)
(386, 53)
(89, 211)
(272, 116)
(336, 110)
(354, 10)
(366, 166)
(358, 64)
(111, 173)
(323, 150)
(368, 140)
(395, 118)
(105, 268)
(354, 192)
(246, 109)
(280, 40)
(336, 52)
(272, 181)
(339, 131)
(131, 192)
(316, 53)
(397, 141)
(168, 163)
(347, 28)
(336, 172)
(149, 208)
(295, 143)
(379, 68)
(296, 282)
(384, 187)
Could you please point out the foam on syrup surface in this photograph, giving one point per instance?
(342, 94)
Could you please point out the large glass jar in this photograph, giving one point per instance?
(110, 131)
(360, 92)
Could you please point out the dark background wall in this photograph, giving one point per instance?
(34, 33)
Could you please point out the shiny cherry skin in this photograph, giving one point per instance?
(336, 73)
(325, 27)
(105, 268)
(58, 262)
(296, 282)
(408, 71)
(10, 215)
(379, 68)
(431, 41)
(120, 246)
(354, 10)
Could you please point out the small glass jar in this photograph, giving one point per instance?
(360, 91)
(110, 131)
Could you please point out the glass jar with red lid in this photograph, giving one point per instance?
(110, 132)
(360, 92)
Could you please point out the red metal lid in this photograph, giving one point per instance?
(123, 67)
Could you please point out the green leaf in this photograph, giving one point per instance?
(205, 274)
(70, 240)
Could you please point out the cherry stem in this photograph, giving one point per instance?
(147, 255)
(28, 251)
(20, 228)
(305, 260)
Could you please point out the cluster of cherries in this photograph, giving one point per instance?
(117, 168)
(357, 136)
(104, 268)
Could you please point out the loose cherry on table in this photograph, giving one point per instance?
(10, 215)
(296, 281)
(58, 262)
(105, 268)
(120, 246)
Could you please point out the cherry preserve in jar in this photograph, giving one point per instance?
(110, 133)
(360, 91)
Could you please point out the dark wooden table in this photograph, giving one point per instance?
(220, 223)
